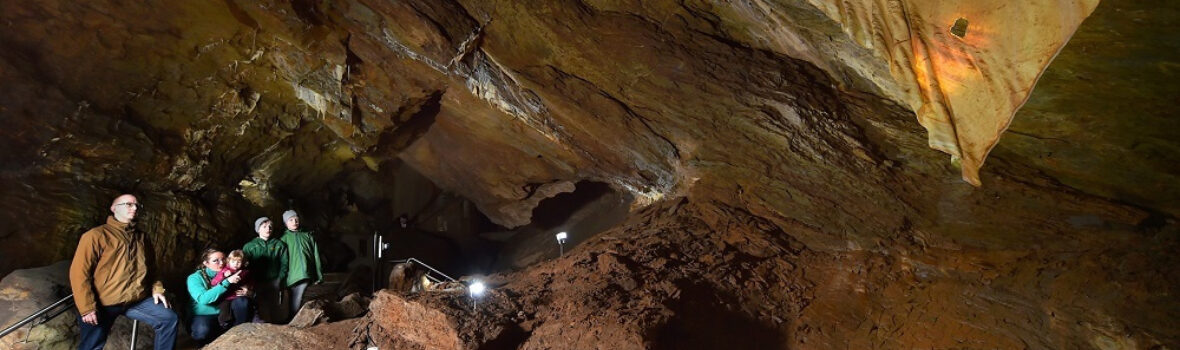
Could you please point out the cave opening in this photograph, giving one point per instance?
(592, 207)
(394, 205)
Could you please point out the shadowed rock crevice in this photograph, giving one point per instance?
(414, 121)
(704, 320)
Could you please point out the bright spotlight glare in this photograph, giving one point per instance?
(476, 289)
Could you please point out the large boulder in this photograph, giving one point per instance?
(339, 335)
(442, 320)
(322, 311)
(24, 292)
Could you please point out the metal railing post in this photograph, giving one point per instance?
(28, 333)
(134, 332)
(428, 267)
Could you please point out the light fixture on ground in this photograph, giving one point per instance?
(475, 290)
(561, 238)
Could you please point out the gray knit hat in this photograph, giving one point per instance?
(287, 215)
(258, 223)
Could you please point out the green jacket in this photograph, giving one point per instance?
(268, 258)
(205, 297)
(303, 261)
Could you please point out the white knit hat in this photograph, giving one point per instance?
(258, 223)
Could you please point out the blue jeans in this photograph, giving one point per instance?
(205, 328)
(162, 320)
(297, 296)
(243, 312)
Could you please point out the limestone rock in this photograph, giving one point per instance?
(437, 320)
(321, 311)
(338, 335)
(24, 292)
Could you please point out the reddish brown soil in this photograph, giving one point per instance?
(702, 276)
(665, 283)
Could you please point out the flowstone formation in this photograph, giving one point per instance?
(794, 144)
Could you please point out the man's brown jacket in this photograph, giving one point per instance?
(111, 267)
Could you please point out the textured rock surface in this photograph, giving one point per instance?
(22, 293)
(794, 119)
(339, 335)
(706, 276)
(322, 311)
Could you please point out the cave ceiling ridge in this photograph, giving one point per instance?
(963, 67)
(480, 74)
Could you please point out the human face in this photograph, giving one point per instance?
(216, 261)
(264, 230)
(235, 264)
(293, 223)
(124, 208)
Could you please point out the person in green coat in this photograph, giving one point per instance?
(206, 296)
(303, 260)
(268, 261)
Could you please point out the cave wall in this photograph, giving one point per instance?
(208, 105)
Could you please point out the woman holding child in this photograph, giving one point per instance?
(212, 285)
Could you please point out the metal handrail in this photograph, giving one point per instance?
(413, 260)
(46, 318)
(37, 314)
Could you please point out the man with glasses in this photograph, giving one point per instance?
(109, 276)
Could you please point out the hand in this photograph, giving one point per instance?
(160, 299)
(243, 292)
(90, 318)
(234, 278)
(226, 273)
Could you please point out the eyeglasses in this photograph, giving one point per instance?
(130, 205)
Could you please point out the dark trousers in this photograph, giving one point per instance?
(235, 312)
(162, 320)
(296, 293)
(205, 328)
(268, 303)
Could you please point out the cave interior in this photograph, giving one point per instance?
(754, 174)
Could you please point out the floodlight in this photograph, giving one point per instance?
(476, 289)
